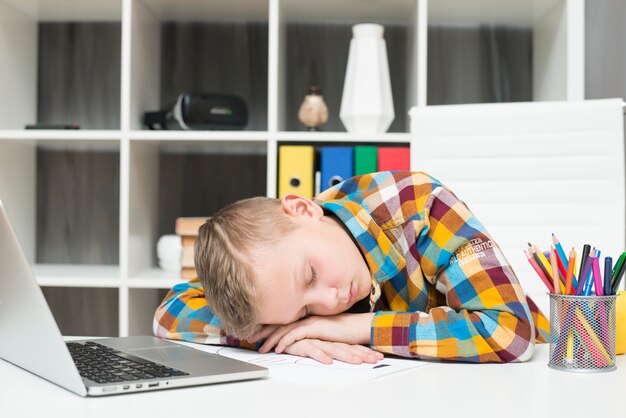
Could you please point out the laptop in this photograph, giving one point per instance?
(30, 339)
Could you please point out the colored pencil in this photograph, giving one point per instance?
(543, 260)
(571, 266)
(617, 277)
(578, 343)
(603, 319)
(597, 359)
(561, 268)
(597, 279)
(619, 262)
(562, 273)
(547, 273)
(582, 277)
(591, 333)
(546, 267)
(608, 269)
(589, 276)
(535, 257)
(555, 271)
(563, 259)
(539, 272)
(569, 351)
(585, 254)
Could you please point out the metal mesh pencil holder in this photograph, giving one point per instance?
(582, 333)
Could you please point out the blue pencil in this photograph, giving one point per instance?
(588, 279)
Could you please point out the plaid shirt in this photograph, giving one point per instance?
(441, 287)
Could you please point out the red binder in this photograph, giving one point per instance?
(393, 158)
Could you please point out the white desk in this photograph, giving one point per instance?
(514, 390)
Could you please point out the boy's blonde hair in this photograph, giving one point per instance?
(223, 259)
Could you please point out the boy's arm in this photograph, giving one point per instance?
(184, 315)
(486, 317)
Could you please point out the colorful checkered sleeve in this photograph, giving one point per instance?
(485, 317)
(184, 315)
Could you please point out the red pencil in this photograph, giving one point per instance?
(571, 266)
(537, 269)
(562, 268)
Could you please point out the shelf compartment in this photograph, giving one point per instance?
(84, 311)
(518, 51)
(169, 179)
(178, 48)
(63, 198)
(78, 202)
(514, 12)
(313, 45)
(65, 64)
(142, 305)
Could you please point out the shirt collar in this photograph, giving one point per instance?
(382, 257)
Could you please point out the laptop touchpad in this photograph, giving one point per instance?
(169, 354)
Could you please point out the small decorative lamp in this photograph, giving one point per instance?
(367, 104)
(313, 111)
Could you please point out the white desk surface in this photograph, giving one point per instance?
(463, 390)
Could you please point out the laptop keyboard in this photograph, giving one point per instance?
(104, 364)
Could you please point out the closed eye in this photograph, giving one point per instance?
(313, 276)
(311, 283)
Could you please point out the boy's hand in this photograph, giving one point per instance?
(326, 351)
(344, 328)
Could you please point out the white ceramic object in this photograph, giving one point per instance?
(367, 103)
(169, 252)
(170, 267)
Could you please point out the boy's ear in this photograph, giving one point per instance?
(294, 205)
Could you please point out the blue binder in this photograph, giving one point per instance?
(337, 165)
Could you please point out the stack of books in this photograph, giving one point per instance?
(187, 230)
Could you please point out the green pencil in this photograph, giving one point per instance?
(618, 272)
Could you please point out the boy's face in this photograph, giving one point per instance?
(317, 269)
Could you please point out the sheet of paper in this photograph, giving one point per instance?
(307, 371)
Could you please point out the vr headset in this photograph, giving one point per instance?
(200, 111)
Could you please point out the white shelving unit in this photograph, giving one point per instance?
(558, 74)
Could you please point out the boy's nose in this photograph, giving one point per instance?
(330, 298)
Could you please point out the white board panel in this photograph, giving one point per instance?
(527, 170)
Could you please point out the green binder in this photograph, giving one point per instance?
(365, 159)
